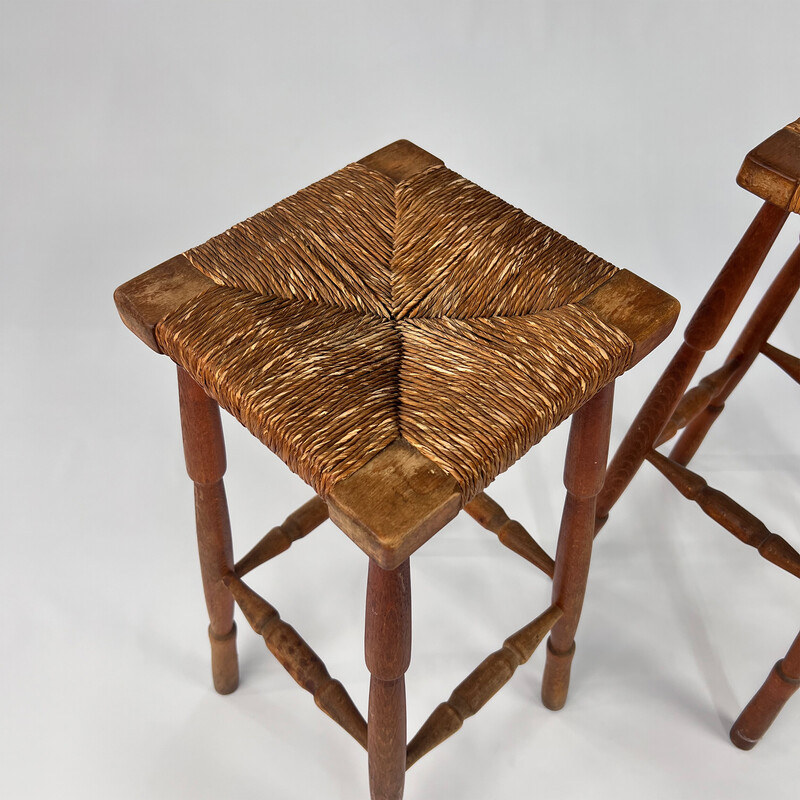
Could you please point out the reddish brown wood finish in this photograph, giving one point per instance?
(728, 513)
(644, 313)
(472, 694)
(762, 323)
(145, 300)
(583, 476)
(204, 449)
(782, 682)
(387, 646)
(788, 363)
(297, 525)
(401, 160)
(703, 332)
(772, 169)
(491, 516)
(697, 400)
(394, 503)
(298, 659)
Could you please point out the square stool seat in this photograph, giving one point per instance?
(398, 336)
(392, 320)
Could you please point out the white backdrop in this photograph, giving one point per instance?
(133, 130)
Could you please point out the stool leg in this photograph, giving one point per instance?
(204, 449)
(702, 333)
(388, 654)
(759, 328)
(583, 476)
(782, 682)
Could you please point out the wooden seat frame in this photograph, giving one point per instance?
(390, 507)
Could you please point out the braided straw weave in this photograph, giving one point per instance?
(357, 311)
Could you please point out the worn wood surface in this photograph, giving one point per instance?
(759, 328)
(297, 525)
(757, 716)
(644, 313)
(387, 648)
(728, 513)
(704, 330)
(204, 450)
(772, 169)
(400, 160)
(146, 299)
(394, 503)
(491, 516)
(298, 659)
(584, 472)
(480, 685)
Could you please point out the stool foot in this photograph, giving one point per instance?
(555, 682)
(762, 710)
(224, 661)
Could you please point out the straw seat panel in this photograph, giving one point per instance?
(316, 385)
(376, 306)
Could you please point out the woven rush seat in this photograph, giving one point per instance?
(398, 336)
(357, 312)
(396, 304)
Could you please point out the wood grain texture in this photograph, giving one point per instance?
(480, 685)
(772, 169)
(757, 716)
(146, 299)
(394, 504)
(697, 399)
(201, 429)
(768, 313)
(788, 363)
(297, 525)
(400, 161)
(728, 513)
(204, 450)
(387, 739)
(640, 310)
(584, 472)
(723, 298)
(703, 331)
(298, 659)
(491, 516)
(387, 648)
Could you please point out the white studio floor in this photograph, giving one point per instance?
(132, 131)
(112, 696)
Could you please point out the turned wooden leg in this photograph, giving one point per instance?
(702, 333)
(204, 449)
(388, 654)
(759, 328)
(584, 471)
(782, 682)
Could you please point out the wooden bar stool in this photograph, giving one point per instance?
(398, 336)
(772, 172)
